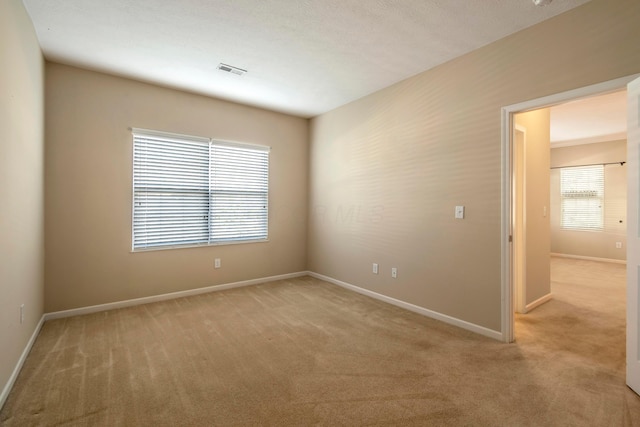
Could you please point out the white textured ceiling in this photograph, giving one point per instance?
(303, 57)
(596, 119)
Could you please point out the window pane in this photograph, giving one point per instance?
(582, 198)
(239, 193)
(170, 205)
(191, 192)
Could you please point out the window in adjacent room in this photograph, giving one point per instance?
(190, 191)
(582, 198)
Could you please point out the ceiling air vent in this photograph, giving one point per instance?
(231, 69)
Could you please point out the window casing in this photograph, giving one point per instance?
(190, 191)
(582, 198)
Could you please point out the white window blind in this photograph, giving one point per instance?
(582, 198)
(194, 191)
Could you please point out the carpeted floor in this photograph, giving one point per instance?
(305, 352)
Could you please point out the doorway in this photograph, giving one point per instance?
(510, 294)
(575, 207)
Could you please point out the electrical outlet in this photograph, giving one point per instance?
(618, 245)
(217, 263)
(21, 314)
(394, 272)
(375, 268)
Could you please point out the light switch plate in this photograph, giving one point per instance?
(459, 212)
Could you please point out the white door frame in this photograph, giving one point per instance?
(506, 222)
(633, 242)
(519, 245)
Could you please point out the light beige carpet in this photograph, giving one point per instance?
(305, 352)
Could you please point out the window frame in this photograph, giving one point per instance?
(598, 191)
(212, 240)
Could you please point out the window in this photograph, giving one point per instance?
(582, 198)
(191, 191)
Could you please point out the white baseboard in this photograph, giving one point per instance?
(164, 297)
(538, 302)
(415, 308)
(589, 258)
(173, 295)
(14, 375)
(127, 303)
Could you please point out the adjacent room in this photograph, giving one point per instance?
(292, 213)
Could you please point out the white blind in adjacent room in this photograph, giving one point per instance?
(582, 198)
(194, 191)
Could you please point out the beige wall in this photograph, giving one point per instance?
(537, 194)
(21, 183)
(405, 156)
(88, 190)
(588, 243)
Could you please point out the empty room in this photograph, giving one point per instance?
(306, 213)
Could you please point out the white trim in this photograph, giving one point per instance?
(414, 308)
(590, 258)
(23, 357)
(236, 144)
(572, 95)
(201, 139)
(538, 302)
(633, 243)
(520, 291)
(506, 225)
(201, 245)
(506, 114)
(164, 297)
(170, 135)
